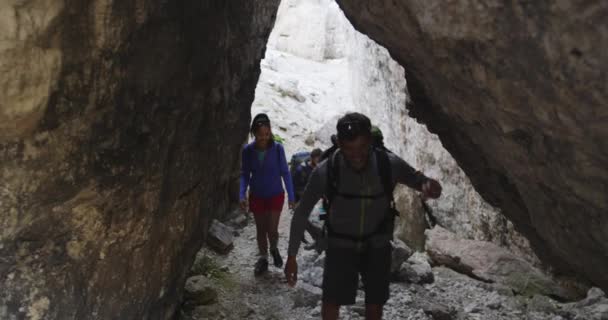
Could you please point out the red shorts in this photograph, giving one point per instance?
(264, 205)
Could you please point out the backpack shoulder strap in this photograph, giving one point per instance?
(385, 172)
(333, 175)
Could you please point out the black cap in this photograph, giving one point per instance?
(353, 125)
(260, 120)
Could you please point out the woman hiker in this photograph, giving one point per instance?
(263, 167)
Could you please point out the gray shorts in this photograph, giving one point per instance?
(342, 269)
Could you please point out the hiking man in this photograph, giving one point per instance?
(358, 181)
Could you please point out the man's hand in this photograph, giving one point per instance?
(243, 204)
(291, 271)
(292, 209)
(431, 189)
(292, 204)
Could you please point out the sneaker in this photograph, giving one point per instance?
(276, 257)
(260, 267)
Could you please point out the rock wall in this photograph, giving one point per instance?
(380, 92)
(120, 128)
(517, 94)
(318, 67)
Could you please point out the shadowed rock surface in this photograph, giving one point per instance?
(115, 121)
(121, 124)
(517, 93)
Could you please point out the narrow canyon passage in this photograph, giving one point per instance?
(316, 68)
(122, 123)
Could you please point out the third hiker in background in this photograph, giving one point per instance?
(300, 176)
(378, 139)
(302, 172)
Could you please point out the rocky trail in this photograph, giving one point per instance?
(223, 287)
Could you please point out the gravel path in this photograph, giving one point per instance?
(451, 296)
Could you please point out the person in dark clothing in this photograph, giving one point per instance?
(330, 150)
(263, 166)
(358, 181)
(300, 180)
(303, 171)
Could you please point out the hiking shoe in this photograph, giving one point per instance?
(276, 257)
(260, 267)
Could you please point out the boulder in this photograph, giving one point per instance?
(491, 263)
(416, 270)
(239, 221)
(543, 304)
(198, 292)
(400, 253)
(437, 310)
(220, 237)
(306, 295)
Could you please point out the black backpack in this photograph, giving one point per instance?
(297, 159)
(333, 180)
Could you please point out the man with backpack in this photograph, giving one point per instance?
(358, 181)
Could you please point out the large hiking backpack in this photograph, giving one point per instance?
(297, 159)
(333, 183)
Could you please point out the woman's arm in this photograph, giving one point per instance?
(284, 169)
(245, 173)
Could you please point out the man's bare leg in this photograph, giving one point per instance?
(373, 311)
(330, 311)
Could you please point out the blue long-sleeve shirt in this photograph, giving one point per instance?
(264, 177)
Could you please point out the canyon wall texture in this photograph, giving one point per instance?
(121, 124)
(517, 93)
(318, 67)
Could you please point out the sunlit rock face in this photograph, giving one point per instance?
(317, 67)
(517, 94)
(120, 129)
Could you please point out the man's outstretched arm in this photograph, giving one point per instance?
(405, 174)
(312, 193)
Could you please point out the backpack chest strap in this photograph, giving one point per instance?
(360, 196)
